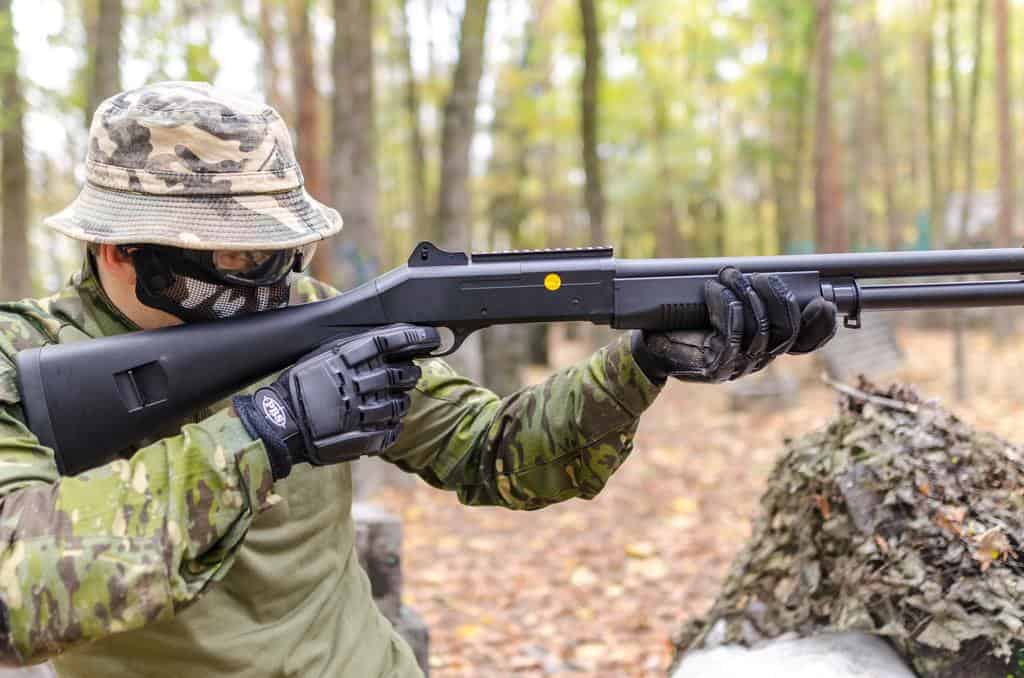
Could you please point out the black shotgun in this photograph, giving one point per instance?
(91, 400)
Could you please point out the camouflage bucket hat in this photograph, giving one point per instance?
(182, 164)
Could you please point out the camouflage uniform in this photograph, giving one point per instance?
(186, 559)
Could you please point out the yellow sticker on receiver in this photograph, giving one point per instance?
(552, 281)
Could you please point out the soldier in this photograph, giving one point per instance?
(217, 550)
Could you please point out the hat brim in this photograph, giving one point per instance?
(203, 222)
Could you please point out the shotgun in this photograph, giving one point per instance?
(111, 393)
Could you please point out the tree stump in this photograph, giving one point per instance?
(379, 547)
(896, 520)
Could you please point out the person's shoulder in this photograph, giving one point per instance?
(29, 323)
(306, 289)
(23, 324)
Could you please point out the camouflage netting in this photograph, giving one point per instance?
(897, 519)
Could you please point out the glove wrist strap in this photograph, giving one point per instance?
(267, 417)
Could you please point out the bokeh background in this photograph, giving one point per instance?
(662, 127)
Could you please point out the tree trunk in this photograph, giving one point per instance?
(594, 191)
(353, 137)
(453, 227)
(15, 273)
(830, 235)
(894, 238)
(306, 98)
(507, 348)
(270, 69)
(952, 57)
(960, 387)
(106, 55)
(455, 209)
(934, 190)
(417, 145)
(1007, 192)
(1004, 320)
(972, 118)
(858, 217)
(789, 126)
(667, 236)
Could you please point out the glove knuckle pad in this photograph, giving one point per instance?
(348, 398)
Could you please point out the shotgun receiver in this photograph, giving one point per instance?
(91, 400)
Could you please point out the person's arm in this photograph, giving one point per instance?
(565, 437)
(544, 444)
(122, 545)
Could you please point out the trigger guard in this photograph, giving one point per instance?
(451, 340)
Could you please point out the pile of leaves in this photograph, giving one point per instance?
(896, 519)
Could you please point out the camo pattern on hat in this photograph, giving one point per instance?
(182, 164)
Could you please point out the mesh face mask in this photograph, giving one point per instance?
(194, 299)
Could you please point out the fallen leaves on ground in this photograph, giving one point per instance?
(596, 588)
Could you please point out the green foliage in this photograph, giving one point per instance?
(199, 62)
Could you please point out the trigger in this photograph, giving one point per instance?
(451, 339)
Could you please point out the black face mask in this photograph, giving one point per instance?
(162, 281)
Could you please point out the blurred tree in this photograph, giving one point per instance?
(197, 19)
(270, 66)
(668, 214)
(15, 270)
(1006, 136)
(830, 234)
(972, 121)
(417, 143)
(931, 124)
(589, 112)
(353, 142)
(506, 348)
(104, 67)
(880, 94)
(453, 227)
(455, 208)
(1004, 322)
(857, 215)
(953, 82)
(307, 126)
(790, 26)
(959, 349)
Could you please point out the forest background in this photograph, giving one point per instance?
(662, 127)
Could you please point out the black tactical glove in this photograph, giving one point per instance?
(754, 319)
(342, 401)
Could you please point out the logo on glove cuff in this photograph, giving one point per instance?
(274, 411)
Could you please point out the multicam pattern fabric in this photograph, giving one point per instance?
(182, 164)
(183, 560)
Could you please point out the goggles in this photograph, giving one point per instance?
(245, 268)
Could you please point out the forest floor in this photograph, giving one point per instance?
(597, 588)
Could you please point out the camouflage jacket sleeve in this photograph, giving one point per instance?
(122, 545)
(544, 444)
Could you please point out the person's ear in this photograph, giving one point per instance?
(116, 263)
